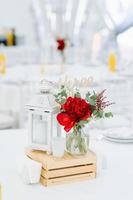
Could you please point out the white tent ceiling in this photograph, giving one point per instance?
(75, 19)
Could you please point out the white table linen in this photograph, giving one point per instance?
(114, 180)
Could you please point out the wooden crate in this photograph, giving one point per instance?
(66, 169)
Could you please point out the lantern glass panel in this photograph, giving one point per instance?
(39, 129)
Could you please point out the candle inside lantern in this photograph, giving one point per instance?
(39, 129)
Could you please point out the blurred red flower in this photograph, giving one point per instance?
(61, 44)
(73, 111)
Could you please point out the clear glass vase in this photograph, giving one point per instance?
(77, 142)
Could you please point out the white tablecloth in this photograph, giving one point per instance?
(114, 181)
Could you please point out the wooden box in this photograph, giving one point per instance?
(66, 169)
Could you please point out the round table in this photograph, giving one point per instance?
(114, 179)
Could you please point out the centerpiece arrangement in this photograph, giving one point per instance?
(61, 46)
(73, 111)
(76, 112)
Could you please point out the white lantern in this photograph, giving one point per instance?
(43, 125)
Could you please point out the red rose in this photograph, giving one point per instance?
(74, 110)
(60, 44)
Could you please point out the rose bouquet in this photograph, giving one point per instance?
(76, 112)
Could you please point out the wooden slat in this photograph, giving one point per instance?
(53, 181)
(51, 162)
(68, 171)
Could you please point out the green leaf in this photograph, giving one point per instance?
(98, 113)
(63, 93)
(77, 94)
(95, 112)
(55, 95)
(108, 114)
(63, 101)
(88, 94)
(82, 123)
(94, 96)
(62, 87)
(91, 101)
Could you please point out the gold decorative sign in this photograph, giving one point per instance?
(75, 82)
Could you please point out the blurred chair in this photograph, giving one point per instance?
(21, 55)
(6, 121)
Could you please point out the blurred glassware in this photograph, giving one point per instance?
(58, 146)
(112, 62)
(2, 64)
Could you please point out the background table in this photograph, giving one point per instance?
(21, 81)
(114, 180)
